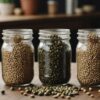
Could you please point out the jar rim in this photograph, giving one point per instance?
(17, 31)
(46, 33)
(26, 34)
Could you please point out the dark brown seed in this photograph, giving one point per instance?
(3, 92)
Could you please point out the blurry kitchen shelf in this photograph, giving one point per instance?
(48, 21)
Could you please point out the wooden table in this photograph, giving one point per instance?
(15, 95)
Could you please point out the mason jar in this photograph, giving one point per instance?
(54, 55)
(17, 56)
(88, 57)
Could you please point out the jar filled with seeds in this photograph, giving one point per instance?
(17, 57)
(54, 56)
(88, 57)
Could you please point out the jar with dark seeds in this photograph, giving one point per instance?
(54, 55)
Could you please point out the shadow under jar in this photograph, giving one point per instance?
(17, 57)
(54, 56)
(88, 57)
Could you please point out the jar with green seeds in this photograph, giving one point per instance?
(54, 56)
(88, 57)
(17, 57)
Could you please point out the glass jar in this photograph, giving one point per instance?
(54, 56)
(17, 57)
(88, 57)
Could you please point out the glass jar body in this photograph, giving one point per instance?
(17, 57)
(88, 58)
(54, 60)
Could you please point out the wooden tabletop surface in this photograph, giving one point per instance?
(51, 21)
(15, 95)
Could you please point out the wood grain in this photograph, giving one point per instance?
(15, 95)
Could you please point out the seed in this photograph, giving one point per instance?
(22, 92)
(19, 88)
(90, 89)
(32, 96)
(92, 95)
(25, 94)
(3, 92)
(99, 91)
(55, 96)
(88, 93)
(62, 96)
(84, 90)
(12, 88)
(68, 97)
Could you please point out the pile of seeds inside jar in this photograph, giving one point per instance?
(88, 61)
(17, 63)
(54, 64)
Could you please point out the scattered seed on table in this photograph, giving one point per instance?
(84, 90)
(68, 97)
(90, 89)
(19, 88)
(32, 96)
(55, 96)
(99, 91)
(12, 88)
(62, 96)
(88, 93)
(25, 94)
(92, 96)
(22, 92)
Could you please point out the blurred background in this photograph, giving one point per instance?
(40, 7)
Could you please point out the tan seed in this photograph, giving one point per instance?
(88, 93)
(90, 89)
(84, 90)
(32, 96)
(99, 91)
(92, 96)
(68, 97)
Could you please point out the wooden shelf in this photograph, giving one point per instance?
(47, 21)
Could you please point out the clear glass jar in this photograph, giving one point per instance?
(54, 56)
(17, 56)
(88, 57)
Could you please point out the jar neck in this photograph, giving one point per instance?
(47, 35)
(17, 34)
(85, 35)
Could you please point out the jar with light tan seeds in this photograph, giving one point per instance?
(17, 57)
(88, 57)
